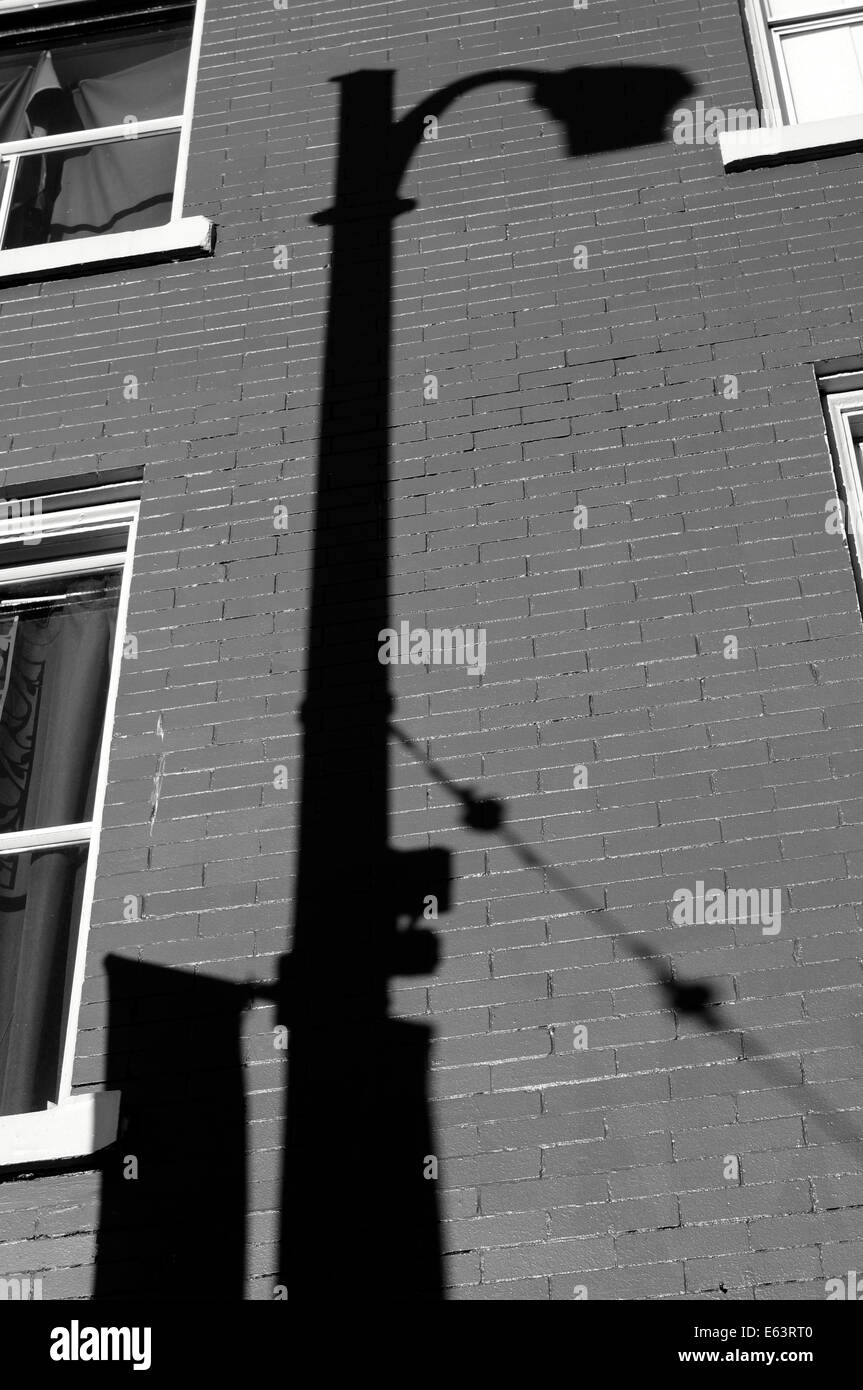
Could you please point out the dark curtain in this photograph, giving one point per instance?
(100, 188)
(58, 668)
(14, 97)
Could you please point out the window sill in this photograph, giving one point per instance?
(80, 1125)
(189, 236)
(747, 149)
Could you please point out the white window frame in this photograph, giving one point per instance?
(844, 411)
(75, 1124)
(833, 21)
(178, 236)
(780, 137)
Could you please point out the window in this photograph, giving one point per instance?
(64, 576)
(808, 57)
(95, 112)
(843, 403)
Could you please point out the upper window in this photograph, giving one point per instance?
(92, 101)
(809, 55)
(63, 580)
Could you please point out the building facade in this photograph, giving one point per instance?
(433, 655)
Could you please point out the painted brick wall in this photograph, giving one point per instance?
(600, 387)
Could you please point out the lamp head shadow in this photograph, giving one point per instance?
(611, 108)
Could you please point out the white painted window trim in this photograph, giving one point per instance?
(801, 9)
(78, 1126)
(845, 418)
(747, 149)
(780, 138)
(81, 520)
(765, 70)
(97, 135)
(179, 237)
(51, 837)
(81, 1123)
(114, 559)
(26, 6)
(188, 111)
(189, 236)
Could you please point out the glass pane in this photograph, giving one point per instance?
(857, 40)
(76, 76)
(93, 189)
(40, 907)
(56, 642)
(23, 525)
(823, 72)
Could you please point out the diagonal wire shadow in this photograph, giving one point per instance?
(692, 999)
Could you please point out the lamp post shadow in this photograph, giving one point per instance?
(358, 1212)
(359, 1209)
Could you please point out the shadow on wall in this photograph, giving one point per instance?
(358, 1208)
(692, 1003)
(358, 1131)
(173, 1210)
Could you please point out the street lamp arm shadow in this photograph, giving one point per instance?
(600, 108)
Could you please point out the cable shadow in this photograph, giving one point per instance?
(684, 999)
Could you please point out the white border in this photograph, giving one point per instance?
(80, 1124)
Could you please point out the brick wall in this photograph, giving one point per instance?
(601, 387)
